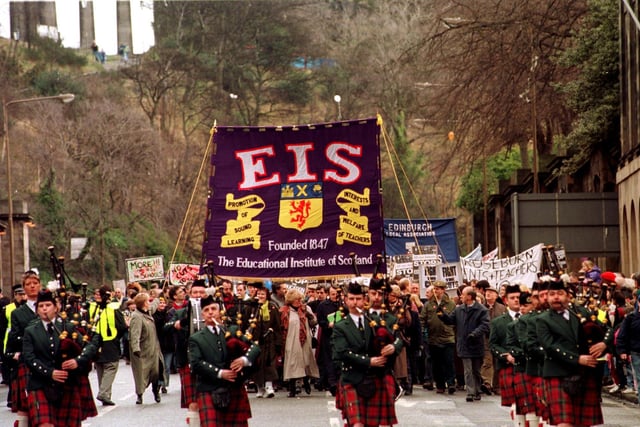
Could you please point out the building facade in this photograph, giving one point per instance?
(110, 23)
(628, 175)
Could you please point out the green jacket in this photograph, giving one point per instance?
(209, 354)
(439, 333)
(560, 340)
(353, 349)
(535, 352)
(498, 340)
(42, 360)
(21, 317)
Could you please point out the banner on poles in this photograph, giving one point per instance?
(523, 267)
(294, 201)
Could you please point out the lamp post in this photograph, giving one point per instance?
(64, 98)
(337, 99)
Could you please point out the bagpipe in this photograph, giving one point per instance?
(237, 338)
(382, 335)
(587, 308)
(71, 312)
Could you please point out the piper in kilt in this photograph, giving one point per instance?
(535, 353)
(559, 331)
(21, 317)
(59, 364)
(218, 372)
(516, 336)
(185, 322)
(353, 343)
(503, 354)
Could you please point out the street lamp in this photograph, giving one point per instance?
(337, 99)
(64, 98)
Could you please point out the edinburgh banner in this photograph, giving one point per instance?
(523, 267)
(294, 201)
(403, 235)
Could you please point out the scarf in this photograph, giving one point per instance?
(284, 317)
(264, 312)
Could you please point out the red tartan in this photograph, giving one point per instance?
(507, 391)
(40, 411)
(19, 394)
(236, 415)
(536, 396)
(339, 402)
(521, 394)
(75, 405)
(188, 392)
(85, 395)
(583, 410)
(378, 410)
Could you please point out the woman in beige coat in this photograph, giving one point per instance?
(147, 362)
(297, 320)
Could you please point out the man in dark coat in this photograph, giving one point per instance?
(109, 323)
(328, 371)
(363, 362)
(222, 397)
(471, 320)
(441, 337)
(567, 357)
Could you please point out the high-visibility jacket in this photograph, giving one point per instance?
(7, 312)
(106, 325)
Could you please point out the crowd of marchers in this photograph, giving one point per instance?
(548, 348)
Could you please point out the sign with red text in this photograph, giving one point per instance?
(294, 201)
(145, 268)
(181, 274)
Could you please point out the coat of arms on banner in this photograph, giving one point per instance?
(300, 205)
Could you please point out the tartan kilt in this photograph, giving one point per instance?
(188, 392)
(40, 410)
(19, 393)
(379, 410)
(84, 394)
(75, 405)
(583, 410)
(507, 389)
(521, 393)
(339, 401)
(537, 400)
(236, 415)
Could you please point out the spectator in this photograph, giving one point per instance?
(441, 338)
(472, 324)
(241, 292)
(109, 323)
(628, 343)
(147, 364)
(591, 271)
(278, 291)
(162, 315)
(326, 322)
(178, 297)
(267, 333)
(297, 320)
(489, 374)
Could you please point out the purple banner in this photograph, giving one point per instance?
(294, 201)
